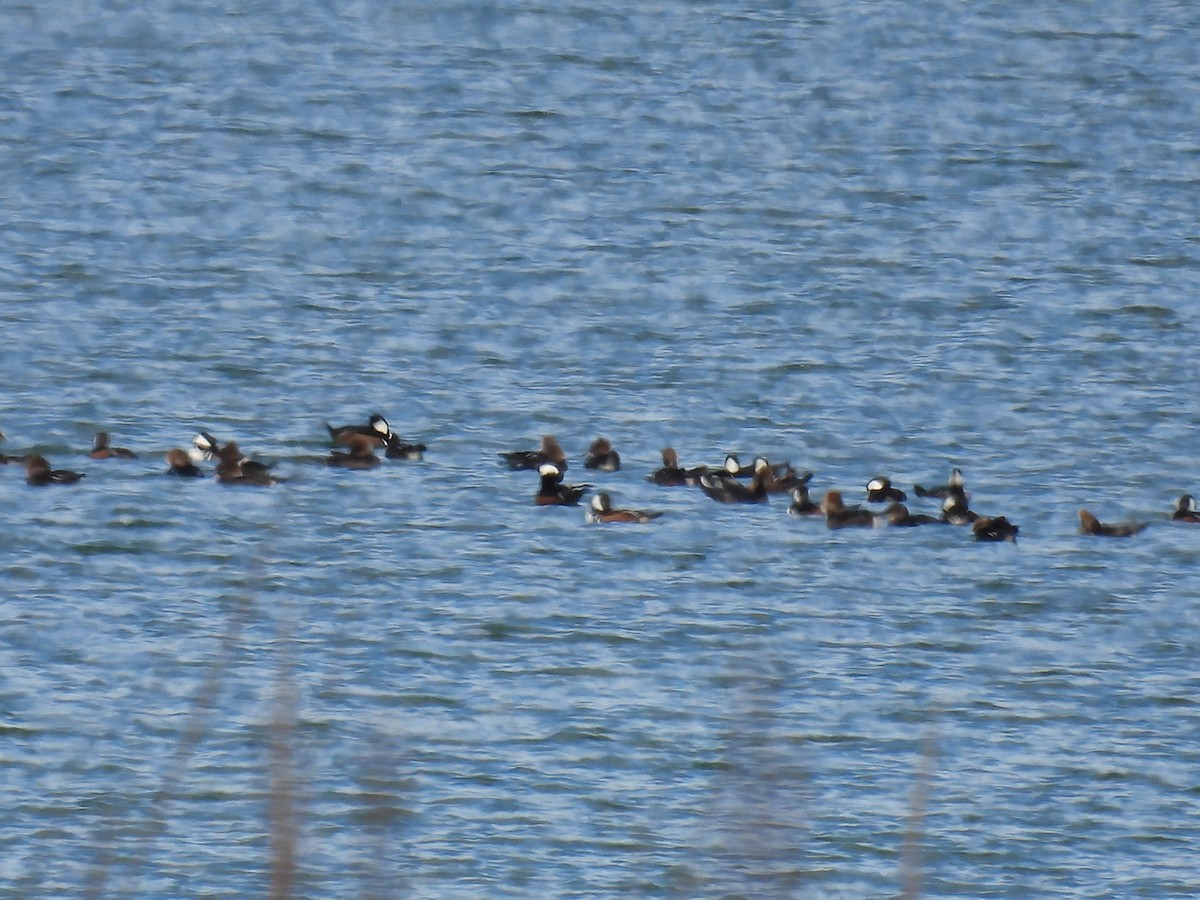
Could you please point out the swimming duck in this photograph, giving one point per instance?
(955, 510)
(601, 510)
(235, 468)
(204, 448)
(1089, 524)
(803, 504)
(39, 473)
(601, 455)
(547, 452)
(361, 454)
(994, 528)
(838, 515)
(782, 478)
(880, 490)
(102, 450)
(898, 516)
(181, 464)
(1185, 510)
(954, 485)
(379, 433)
(552, 491)
(671, 475)
(725, 489)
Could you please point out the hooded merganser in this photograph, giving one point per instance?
(880, 490)
(802, 504)
(838, 515)
(1185, 510)
(782, 478)
(601, 510)
(994, 528)
(725, 489)
(547, 452)
(102, 450)
(601, 455)
(898, 516)
(39, 473)
(955, 510)
(552, 491)
(954, 485)
(361, 454)
(235, 468)
(379, 433)
(671, 475)
(181, 464)
(1089, 524)
(205, 448)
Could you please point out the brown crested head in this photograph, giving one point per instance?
(833, 502)
(35, 464)
(361, 445)
(177, 458)
(230, 453)
(600, 445)
(551, 450)
(101, 441)
(1088, 523)
(670, 458)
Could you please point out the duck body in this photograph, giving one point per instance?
(725, 488)
(1185, 510)
(601, 510)
(39, 473)
(101, 449)
(994, 529)
(547, 452)
(552, 491)
(1089, 524)
(601, 455)
(180, 464)
(956, 483)
(898, 516)
(672, 474)
(360, 456)
(803, 504)
(838, 515)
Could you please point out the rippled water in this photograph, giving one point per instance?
(887, 237)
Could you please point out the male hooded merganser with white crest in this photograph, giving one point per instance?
(955, 485)
(205, 448)
(1185, 510)
(548, 452)
(601, 510)
(552, 491)
(361, 454)
(838, 515)
(725, 489)
(1089, 524)
(102, 450)
(181, 464)
(880, 490)
(379, 432)
(39, 473)
(601, 455)
(995, 529)
(672, 475)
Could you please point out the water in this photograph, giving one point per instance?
(887, 238)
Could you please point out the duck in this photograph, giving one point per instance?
(601, 455)
(547, 452)
(1089, 524)
(1185, 510)
(204, 448)
(782, 478)
(898, 516)
(39, 473)
(955, 510)
(994, 528)
(725, 489)
(803, 504)
(102, 450)
(954, 485)
(552, 491)
(4, 459)
(601, 510)
(379, 433)
(360, 456)
(838, 515)
(398, 448)
(671, 474)
(181, 464)
(880, 490)
(235, 468)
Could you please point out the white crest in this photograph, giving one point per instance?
(875, 484)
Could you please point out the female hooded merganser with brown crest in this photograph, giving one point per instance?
(39, 473)
(838, 515)
(880, 490)
(1185, 510)
(671, 475)
(898, 516)
(1089, 524)
(552, 491)
(953, 486)
(725, 489)
(995, 529)
(602, 456)
(235, 468)
(361, 454)
(547, 452)
(601, 510)
(102, 450)
(181, 464)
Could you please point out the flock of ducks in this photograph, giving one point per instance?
(730, 482)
